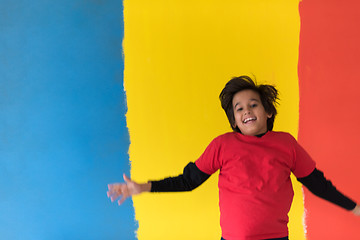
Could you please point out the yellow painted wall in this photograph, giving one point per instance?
(178, 56)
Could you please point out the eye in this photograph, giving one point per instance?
(253, 105)
(239, 109)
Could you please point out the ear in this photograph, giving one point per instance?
(234, 123)
(269, 115)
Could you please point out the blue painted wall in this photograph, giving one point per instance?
(63, 134)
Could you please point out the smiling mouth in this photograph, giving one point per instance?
(249, 120)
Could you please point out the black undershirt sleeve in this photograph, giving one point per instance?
(191, 178)
(323, 188)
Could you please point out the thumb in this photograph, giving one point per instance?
(126, 179)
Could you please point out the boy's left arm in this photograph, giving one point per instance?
(323, 188)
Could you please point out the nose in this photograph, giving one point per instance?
(246, 111)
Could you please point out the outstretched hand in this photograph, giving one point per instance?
(356, 210)
(125, 190)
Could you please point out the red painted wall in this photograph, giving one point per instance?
(329, 126)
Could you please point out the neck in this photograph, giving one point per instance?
(257, 135)
(260, 135)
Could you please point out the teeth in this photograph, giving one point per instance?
(249, 119)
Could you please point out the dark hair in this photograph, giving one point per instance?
(268, 95)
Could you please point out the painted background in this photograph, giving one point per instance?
(178, 57)
(64, 135)
(329, 108)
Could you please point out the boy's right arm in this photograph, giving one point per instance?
(191, 178)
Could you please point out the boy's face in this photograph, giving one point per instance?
(249, 113)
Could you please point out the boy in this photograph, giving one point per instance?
(255, 190)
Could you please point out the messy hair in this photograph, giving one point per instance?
(268, 95)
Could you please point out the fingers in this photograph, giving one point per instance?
(115, 190)
(122, 199)
(118, 190)
(111, 190)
